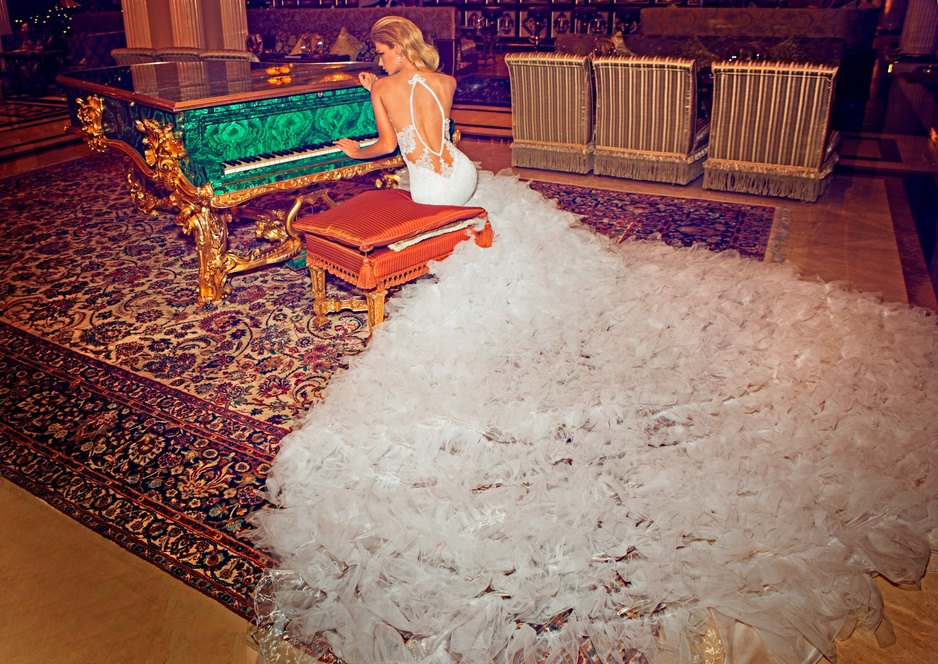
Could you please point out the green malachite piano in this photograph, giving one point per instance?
(204, 138)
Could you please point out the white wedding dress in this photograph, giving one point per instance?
(441, 175)
(645, 440)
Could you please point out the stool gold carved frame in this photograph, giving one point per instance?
(157, 184)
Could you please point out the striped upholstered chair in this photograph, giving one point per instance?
(647, 126)
(551, 111)
(770, 132)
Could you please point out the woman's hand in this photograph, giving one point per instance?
(366, 78)
(349, 147)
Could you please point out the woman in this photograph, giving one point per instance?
(412, 106)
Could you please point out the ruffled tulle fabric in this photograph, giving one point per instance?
(645, 440)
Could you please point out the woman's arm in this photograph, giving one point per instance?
(387, 139)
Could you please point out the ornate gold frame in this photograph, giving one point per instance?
(157, 183)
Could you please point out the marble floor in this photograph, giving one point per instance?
(68, 596)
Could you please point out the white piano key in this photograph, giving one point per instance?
(283, 159)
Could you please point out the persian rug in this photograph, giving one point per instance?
(165, 475)
(144, 414)
(620, 215)
(83, 268)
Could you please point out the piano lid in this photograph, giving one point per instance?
(179, 86)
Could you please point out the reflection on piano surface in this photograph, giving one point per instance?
(214, 135)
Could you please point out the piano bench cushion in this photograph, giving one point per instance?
(384, 268)
(381, 217)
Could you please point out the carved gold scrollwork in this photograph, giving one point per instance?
(388, 181)
(209, 228)
(91, 114)
(199, 212)
(141, 192)
(164, 152)
(271, 226)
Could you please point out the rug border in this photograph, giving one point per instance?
(190, 575)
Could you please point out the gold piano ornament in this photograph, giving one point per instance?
(158, 182)
(90, 114)
(199, 212)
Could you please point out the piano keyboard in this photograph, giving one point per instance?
(286, 156)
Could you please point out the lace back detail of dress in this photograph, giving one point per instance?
(407, 138)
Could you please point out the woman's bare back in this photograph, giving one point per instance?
(424, 105)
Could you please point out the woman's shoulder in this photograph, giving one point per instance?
(442, 81)
(385, 86)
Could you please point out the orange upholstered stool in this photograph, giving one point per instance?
(377, 240)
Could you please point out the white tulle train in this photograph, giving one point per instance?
(644, 439)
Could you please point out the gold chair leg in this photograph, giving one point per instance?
(375, 307)
(320, 301)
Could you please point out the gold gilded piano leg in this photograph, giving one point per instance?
(209, 224)
(209, 229)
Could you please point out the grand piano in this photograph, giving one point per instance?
(205, 139)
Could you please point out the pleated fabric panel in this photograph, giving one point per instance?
(381, 268)
(647, 104)
(771, 113)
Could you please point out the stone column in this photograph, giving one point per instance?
(186, 19)
(136, 23)
(234, 24)
(893, 13)
(6, 27)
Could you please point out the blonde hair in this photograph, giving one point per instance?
(399, 31)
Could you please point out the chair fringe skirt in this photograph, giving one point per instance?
(674, 169)
(785, 182)
(557, 157)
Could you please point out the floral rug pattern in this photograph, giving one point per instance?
(161, 473)
(84, 269)
(678, 222)
(152, 418)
